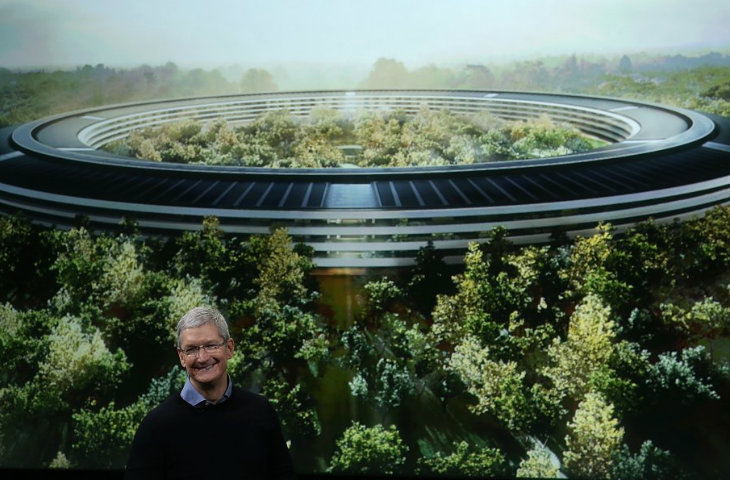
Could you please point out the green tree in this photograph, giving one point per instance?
(26, 253)
(686, 377)
(586, 350)
(281, 270)
(369, 450)
(80, 264)
(429, 277)
(539, 464)
(68, 365)
(432, 76)
(477, 77)
(295, 406)
(387, 73)
(77, 362)
(592, 272)
(705, 319)
(280, 340)
(392, 358)
(381, 295)
(593, 440)
(486, 295)
(315, 152)
(465, 460)
(650, 463)
(102, 437)
(624, 65)
(122, 278)
(497, 385)
(257, 80)
(205, 254)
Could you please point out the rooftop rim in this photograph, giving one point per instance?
(698, 129)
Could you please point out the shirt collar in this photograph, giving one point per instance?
(194, 397)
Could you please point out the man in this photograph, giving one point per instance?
(210, 429)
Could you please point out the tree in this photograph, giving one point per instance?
(540, 463)
(389, 382)
(428, 278)
(380, 137)
(257, 80)
(687, 377)
(374, 450)
(486, 294)
(705, 319)
(278, 335)
(431, 76)
(68, 366)
(387, 73)
(380, 296)
(703, 244)
(102, 437)
(593, 440)
(477, 77)
(624, 65)
(77, 362)
(296, 407)
(122, 277)
(26, 253)
(205, 254)
(586, 350)
(281, 270)
(567, 75)
(592, 269)
(316, 152)
(22, 344)
(497, 385)
(649, 463)
(465, 460)
(394, 361)
(80, 265)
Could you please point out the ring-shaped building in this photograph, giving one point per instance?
(659, 162)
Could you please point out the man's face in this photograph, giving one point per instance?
(206, 369)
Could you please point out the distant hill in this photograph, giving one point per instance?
(681, 62)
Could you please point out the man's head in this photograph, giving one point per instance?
(201, 316)
(204, 347)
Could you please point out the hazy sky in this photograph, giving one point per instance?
(346, 32)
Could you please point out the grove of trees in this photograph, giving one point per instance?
(602, 357)
(279, 140)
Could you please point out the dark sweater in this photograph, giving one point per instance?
(237, 439)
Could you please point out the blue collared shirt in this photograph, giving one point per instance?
(194, 398)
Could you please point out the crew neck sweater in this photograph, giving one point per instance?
(236, 439)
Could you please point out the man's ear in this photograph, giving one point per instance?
(230, 345)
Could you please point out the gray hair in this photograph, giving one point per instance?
(199, 316)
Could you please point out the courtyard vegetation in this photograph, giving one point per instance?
(328, 138)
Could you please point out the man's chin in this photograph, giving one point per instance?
(205, 376)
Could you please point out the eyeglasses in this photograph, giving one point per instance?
(194, 351)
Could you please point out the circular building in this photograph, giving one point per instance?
(662, 163)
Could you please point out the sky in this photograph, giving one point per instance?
(266, 33)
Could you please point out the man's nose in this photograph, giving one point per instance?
(201, 353)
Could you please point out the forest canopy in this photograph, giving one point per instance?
(604, 356)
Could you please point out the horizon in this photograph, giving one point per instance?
(688, 52)
(323, 34)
